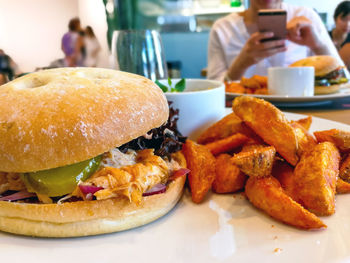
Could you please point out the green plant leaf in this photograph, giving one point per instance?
(162, 86)
(169, 82)
(181, 85)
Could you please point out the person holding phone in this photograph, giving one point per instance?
(237, 48)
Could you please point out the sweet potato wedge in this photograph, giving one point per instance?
(251, 83)
(229, 177)
(344, 171)
(340, 138)
(202, 165)
(267, 194)
(316, 176)
(227, 144)
(225, 127)
(305, 122)
(262, 80)
(262, 91)
(235, 87)
(256, 162)
(251, 147)
(342, 187)
(305, 140)
(284, 173)
(270, 124)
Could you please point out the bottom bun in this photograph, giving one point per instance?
(85, 218)
(322, 90)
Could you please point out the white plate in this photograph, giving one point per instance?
(225, 228)
(297, 101)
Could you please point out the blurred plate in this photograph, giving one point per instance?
(297, 101)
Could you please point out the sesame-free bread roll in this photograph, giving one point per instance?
(61, 116)
(86, 218)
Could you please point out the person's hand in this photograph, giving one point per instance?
(255, 49)
(302, 32)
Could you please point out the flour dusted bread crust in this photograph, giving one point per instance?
(62, 116)
(58, 117)
(84, 218)
(322, 64)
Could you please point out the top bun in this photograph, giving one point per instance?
(62, 116)
(322, 64)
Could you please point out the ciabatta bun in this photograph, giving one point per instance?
(322, 64)
(63, 116)
(323, 90)
(85, 218)
(57, 117)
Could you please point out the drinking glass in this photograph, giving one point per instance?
(140, 52)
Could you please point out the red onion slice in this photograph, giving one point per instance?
(178, 173)
(89, 189)
(17, 196)
(157, 189)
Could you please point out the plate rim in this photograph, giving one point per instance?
(343, 93)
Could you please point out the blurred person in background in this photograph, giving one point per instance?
(8, 68)
(92, 48)
(340, 34)
(73, 44)
(236, 48)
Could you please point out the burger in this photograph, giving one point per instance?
(329, 74)
(86, 151)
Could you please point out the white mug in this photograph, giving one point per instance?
(291, 81)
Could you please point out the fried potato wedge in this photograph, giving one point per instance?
(227, 144)
(257, 162)
(262, 91)
(340, 138)
(262, 80)
(251, 83)
(229, 177)
(270, 124)
(344, 171)
(225, 127)
(202, 165)
(252, 147)
(267, 194)
(305, 140)
(316, 176)
(284, 173)
(342, 187)
(305, 122)
(235, 87)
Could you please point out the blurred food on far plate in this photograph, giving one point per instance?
(254, 85)
(329, 73)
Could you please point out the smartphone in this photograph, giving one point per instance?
(273, 20)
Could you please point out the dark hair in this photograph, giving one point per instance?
(89, 31)
(342, 10)
(73, 24)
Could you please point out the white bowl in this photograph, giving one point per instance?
(201, 104)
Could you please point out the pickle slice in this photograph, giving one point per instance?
(62, 180)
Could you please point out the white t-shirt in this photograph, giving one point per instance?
(92, 47)
(229, 34)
